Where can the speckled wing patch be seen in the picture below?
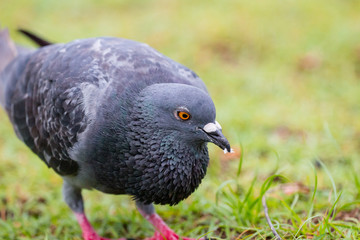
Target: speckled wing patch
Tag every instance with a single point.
(49, 122)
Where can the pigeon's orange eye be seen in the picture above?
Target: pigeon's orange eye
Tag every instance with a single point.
(183, 115)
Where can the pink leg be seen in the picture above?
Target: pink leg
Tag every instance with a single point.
(87, 229)
(162, 231)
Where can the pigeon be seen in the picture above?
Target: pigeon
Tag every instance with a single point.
(112, 115)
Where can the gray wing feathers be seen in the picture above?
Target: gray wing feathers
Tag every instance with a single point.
(46, 110)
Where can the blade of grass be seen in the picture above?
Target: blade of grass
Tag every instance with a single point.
(248, 193)
(314, 192)
(222, 185)
(240, 160)
(306, 221)
(330, 177)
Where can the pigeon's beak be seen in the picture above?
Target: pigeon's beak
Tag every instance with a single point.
(215, 135)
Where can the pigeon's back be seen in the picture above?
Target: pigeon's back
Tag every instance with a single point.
(58, 93)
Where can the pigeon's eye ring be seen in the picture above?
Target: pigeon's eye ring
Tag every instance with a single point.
(183, 115)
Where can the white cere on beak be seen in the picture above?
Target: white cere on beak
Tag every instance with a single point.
(226, 151)
(210, 127)
(218, 125)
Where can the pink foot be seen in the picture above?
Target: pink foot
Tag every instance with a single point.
(87, 229)
(169, 236)
(163, 232)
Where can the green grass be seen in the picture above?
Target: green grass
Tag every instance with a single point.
(285, 78)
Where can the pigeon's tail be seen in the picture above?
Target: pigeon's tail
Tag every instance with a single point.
(8, 52)
(8, 49)
(38, 40)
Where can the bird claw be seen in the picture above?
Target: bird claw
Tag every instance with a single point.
(170, 235)
(94, 236)
(163, 232)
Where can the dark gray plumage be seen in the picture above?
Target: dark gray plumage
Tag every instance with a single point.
(104, 114)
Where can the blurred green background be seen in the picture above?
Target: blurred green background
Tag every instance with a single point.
(285, 78)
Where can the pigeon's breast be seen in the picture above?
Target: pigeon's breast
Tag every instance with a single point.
(166, 171)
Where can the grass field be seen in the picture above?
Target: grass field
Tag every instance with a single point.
(285, 78)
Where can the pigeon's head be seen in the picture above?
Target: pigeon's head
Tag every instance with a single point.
(189, 111)
(170, 126)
